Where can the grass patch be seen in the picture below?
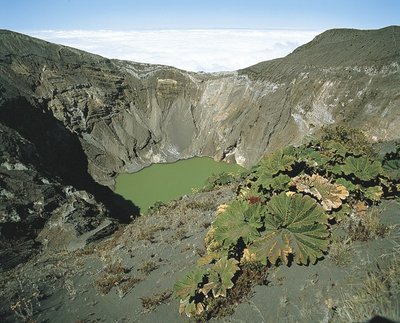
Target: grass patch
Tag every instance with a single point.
(367, 226)
(128, 285)
(341, 251)
(113, 275)
(151, 302)
(106, 282)
(149, 232)
(378, 295)
(181, 234)
(202, 205)
(148, 267)
(116, 269)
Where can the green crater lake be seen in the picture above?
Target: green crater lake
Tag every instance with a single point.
(169, 181)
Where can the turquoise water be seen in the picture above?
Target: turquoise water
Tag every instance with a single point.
(166, 182)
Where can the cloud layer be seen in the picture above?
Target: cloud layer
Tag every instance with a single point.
(193, 50)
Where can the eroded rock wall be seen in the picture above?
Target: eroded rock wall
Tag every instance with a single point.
(31, 198)
(128, 115)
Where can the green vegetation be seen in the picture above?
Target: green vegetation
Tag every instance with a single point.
(222, 178)
(160, 183)
(294, 226)
(284, 212)
(241, 220)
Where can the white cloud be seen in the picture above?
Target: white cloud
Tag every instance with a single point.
(194, 50)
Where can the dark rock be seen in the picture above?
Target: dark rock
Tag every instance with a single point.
(30, 196)
(75, 223)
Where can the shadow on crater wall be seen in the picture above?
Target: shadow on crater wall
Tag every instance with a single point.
(61, 154)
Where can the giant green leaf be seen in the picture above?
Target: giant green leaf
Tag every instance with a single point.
(362, 167)
(335, 169)
(279, 161)
(239, 220)
(294, 225)
(335, 146)
(374, 193)
(220, 277)
(312, 157)
(188, 285)
(349, 185)
(392, 169)
(276, 183)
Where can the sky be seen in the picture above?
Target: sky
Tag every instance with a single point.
(209, 35)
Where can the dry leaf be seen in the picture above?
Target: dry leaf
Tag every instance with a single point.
(330, 195)
(360, 208)
(248, 257)
(221, 208)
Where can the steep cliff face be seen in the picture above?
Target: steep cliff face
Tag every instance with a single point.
(31, 195)
(348, 76)
(128, 115)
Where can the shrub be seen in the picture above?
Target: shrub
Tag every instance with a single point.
(284, 210)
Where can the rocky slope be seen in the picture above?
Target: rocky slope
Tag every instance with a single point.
(70, 121)
(127, 115)
(30, 196)
(129, 277)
